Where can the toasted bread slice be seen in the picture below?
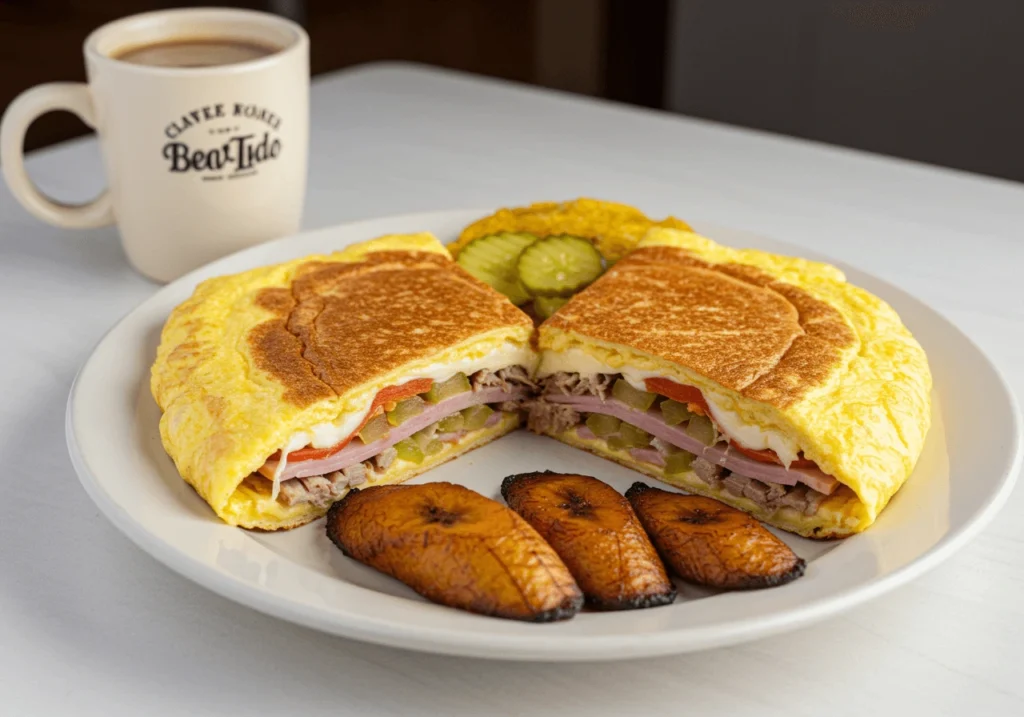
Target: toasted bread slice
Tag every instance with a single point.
(709, 543)
(457, 548)
(594, 530)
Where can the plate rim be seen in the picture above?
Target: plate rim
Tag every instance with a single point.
(576, 648)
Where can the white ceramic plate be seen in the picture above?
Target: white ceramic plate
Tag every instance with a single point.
(969, 463)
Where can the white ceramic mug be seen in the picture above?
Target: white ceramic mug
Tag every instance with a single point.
(200, 161)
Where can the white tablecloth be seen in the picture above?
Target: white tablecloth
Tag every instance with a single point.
(89, 624)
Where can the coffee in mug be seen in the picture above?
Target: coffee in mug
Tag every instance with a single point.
(196, 52)
(203, 122)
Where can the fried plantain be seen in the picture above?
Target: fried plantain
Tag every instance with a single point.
(709, 543)
(594, 530)
(455, 547)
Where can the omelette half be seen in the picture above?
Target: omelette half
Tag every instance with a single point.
(284, 386)
(766, 382)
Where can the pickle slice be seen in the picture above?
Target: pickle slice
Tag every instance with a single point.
(601, 425)
(545, 306)
(493, 260)
(674, 412)
(424, 437)
(701, 428)
(633, 397)
(433, 448)
(476, 416)
(439, 391)
(559, 265)
(409, 451)
(636, 437)
(375, 429)
(404, 410)
(618, 443)
(452, 424)
(678, 462)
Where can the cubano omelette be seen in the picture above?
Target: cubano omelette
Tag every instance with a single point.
(284, 386)
(766, 382)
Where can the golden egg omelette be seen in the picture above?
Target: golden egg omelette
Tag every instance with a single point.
(764, 381)
(285, 386)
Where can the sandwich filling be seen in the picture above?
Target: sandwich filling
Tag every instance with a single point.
(674, 428)
(408, 421)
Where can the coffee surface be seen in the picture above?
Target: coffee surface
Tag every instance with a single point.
(195, 53)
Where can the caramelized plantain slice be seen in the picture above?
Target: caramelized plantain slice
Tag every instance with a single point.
(594, 530)
(709, 543)
(457, 548)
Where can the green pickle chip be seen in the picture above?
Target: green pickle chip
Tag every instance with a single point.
(494, 260)
(405, 409)
(439, 391)
(375, 429)
(559, 265)
(632, 397)
(618, 443)
(636, 437)
(678, 462)
(546, 306)
(424, 437)
(476, 416)
(602, 425)
(674, 412)
(452, 423)
(409, 451)
(701, 428)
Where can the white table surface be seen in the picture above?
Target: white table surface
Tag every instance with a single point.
(89, 624)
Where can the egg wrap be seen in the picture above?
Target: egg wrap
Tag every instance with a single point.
(252, 359)
(784, 343)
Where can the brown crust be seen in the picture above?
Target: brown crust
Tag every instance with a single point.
(595, 532)
(455, 547)
(768, 340)
(345, 323)
(709, 543)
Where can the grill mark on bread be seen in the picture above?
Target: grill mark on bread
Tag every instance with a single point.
(279, 352)
(346, 323)
(276, 300)
(737, 325)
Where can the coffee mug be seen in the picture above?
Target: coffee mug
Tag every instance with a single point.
(203, 122)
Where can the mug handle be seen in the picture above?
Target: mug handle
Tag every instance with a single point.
(22, 112)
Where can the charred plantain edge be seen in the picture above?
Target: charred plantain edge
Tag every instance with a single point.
(333, 515)
(509, 481)
(755, 582)
(637, 488)
(637, 603)
(562, 612)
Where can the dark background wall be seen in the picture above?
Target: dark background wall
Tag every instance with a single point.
(940, 81)
(932, 80)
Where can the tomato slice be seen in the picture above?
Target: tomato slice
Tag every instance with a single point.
(402, 391)
(389, 394)
(677, 392)
(769, 456)
(691, 394)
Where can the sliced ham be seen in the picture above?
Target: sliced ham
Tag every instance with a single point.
(357, 451)
(648, 455)
(719, 454)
